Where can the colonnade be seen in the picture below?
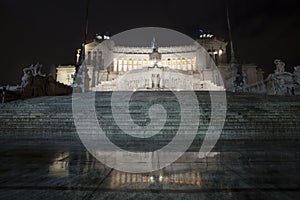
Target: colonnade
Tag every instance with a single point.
(179, 63)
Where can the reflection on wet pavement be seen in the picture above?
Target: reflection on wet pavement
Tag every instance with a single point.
(68, 171)
(60, 165)
(256, 157)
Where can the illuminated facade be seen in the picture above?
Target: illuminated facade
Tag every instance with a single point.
(64, 74)
(174, 67)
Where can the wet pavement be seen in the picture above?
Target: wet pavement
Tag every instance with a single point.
(62, 170)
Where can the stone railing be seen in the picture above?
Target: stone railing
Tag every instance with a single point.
(258, 87)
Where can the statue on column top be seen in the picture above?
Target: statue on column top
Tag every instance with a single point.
(154, 44)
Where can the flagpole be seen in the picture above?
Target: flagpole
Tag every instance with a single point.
(86, 29)
(86, 21)
(230, 35)
(235, 67)
(81, 53)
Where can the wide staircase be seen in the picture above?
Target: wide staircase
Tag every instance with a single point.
(248, 118)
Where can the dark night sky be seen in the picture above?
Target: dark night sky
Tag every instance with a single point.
(49, 31)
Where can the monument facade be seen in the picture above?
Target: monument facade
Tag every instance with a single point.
(184, 67)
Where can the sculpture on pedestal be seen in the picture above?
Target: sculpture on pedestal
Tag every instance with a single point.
(279, 66)
(154, 45)
(27, 77)
(81, 80)
(281, 82)
(155, 81)
(297, 74)
(30, 72)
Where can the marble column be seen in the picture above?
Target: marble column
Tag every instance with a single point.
(125, 64)
(129, 63)
(194, 61)
(179, 64)
(189, 63)
(120, 65)
(174, 63)
(189, 67)
(115, 65)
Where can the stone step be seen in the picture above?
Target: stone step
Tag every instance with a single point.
(248, 116)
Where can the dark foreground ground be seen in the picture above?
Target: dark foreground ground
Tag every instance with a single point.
(257, 157)
(243, 171)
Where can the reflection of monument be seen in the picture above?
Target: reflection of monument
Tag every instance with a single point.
(171, 177)
(191, 179)
(59, 166)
